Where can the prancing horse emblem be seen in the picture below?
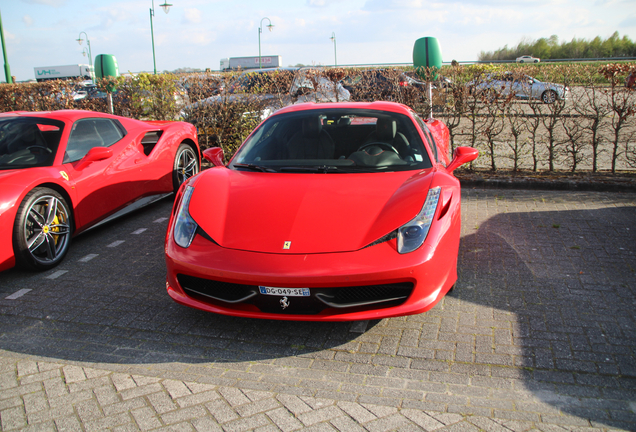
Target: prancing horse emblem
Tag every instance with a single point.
(284, 302)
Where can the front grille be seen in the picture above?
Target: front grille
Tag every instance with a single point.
(372, 293)
(343, 299)
(224, 291)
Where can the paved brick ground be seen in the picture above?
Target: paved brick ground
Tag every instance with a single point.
(539, 334)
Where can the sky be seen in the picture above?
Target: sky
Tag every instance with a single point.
(199, 33)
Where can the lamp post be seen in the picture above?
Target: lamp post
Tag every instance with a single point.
(88, 43)
(7, 70)
(270, 26)
(166, 8)
(333, 39)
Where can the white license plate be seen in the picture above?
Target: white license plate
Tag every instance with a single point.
(289, 292)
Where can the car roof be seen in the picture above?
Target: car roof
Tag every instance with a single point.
(64, 115)
(377, 105)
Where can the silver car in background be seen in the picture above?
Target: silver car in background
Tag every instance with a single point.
(521, 86)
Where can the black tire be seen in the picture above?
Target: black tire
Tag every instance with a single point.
(549, 96)
(186, 164)
(42, 230)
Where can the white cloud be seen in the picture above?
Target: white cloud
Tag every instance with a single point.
(54, 3)
(27, 20)
(192, 15)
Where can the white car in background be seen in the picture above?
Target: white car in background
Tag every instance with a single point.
(528, 59)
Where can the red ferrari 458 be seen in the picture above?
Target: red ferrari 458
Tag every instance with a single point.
(63, 172)
(327, 212)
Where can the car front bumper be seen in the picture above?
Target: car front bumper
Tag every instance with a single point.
(372, 283)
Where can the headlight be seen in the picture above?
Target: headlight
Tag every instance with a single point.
(185, 226)
(412, 235)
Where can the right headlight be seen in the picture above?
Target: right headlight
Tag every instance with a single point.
(412, 235)
(185, 227)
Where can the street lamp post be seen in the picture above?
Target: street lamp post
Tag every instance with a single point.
(88, 43)
(270, 26)
(166, 8)
(335, 58)
(7, 70)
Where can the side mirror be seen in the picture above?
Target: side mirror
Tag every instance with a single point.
(214, 155)
(94, 155)
(461, 156)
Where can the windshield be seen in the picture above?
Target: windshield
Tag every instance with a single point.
(334, 140)
(28, 141)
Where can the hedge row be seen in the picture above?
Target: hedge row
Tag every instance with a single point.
(593, 129)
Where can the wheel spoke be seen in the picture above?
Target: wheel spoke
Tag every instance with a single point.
(51, 210)
(51, 247)
(60, 228)
(35, 242)
(36, 217)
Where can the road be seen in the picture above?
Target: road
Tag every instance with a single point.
(538, 334)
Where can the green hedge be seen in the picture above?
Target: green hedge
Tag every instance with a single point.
(594, 129)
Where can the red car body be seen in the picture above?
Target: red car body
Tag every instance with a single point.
(278, 242)
(140, 163)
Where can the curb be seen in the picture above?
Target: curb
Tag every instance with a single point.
(572, 185)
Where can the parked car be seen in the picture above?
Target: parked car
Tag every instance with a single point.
(528, 59)
(377, 84)
(63, 172)
(273, 88)
(519, 86)
(327, 212)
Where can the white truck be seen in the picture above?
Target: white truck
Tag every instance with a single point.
(64, 72)
(251, 62)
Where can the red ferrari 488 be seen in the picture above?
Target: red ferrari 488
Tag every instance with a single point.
(63, 172)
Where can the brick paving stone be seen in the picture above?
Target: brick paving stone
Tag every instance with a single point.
(68, 424)
(221, 411)
(109, 422)
(387, 423)
(294, 404)
(183, 414)
(284, 420)
(246, 424)
(206, 424)
(176, 389)
(146, 418)
(422, 419)
(12, 418)
(346, 424)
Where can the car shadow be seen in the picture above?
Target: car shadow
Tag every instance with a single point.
(545, 300)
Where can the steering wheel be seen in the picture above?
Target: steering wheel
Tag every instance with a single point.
(383, 145)
(48, 150)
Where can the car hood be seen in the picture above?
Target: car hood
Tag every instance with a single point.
(316, 213)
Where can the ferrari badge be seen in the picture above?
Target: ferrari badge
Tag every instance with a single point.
(287, 245)
(284, 302)
(63, 174)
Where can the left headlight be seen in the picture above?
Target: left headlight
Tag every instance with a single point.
(412, 235)
(185, 227)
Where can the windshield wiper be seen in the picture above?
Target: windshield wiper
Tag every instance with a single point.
(253, 167)
(315, 169)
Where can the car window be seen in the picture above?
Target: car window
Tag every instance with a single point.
(334, 140)
(89, 133)
(28, 141)
(427, 134)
